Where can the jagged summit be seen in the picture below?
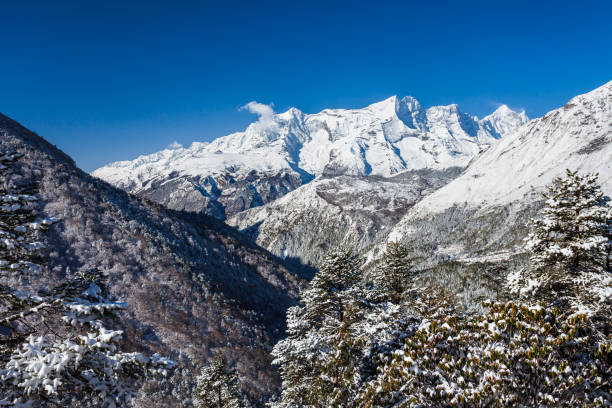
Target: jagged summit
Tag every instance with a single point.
(279, 152)
(577, 136)
(504, 120)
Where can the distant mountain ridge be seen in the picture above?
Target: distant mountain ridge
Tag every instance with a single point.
(276, 155)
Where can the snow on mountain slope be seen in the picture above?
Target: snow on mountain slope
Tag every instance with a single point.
(577, 136)
(333, 211)
(282, 152)
(487, 207)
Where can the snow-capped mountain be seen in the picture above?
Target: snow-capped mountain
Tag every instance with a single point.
(503, 186)
(280, 152)
(453, 215)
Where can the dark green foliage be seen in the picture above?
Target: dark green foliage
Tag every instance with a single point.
(394, 277)
(512, 356)
(333, 288)
(217, 386)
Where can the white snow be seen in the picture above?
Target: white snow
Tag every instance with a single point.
(577, 136)
(384, 138)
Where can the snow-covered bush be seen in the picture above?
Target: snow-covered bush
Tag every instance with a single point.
(513, 356)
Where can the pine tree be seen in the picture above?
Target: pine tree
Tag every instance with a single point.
(21, 233)
(312, 371)
(570, 244)
(573, 231)
(394, 276)
(217, 386)
(334, 287)
(54, 345)
(609, 245)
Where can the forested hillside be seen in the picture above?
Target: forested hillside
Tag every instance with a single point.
(193, 285)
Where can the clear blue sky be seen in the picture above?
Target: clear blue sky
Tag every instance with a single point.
(107, 80)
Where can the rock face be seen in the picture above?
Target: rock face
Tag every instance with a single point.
(193, 284)
(277, 155)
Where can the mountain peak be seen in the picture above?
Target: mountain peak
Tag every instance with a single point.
(411, 104)
(503, 120)
(502, 109)
(386, 107)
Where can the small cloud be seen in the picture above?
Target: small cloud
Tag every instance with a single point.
(175, 145)
(266, 115)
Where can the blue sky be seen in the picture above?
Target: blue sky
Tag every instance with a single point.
(108, 81)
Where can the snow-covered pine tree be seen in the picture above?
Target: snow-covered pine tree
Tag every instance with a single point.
(217, 386)
(311, 369)
(20, 230)
(295, 357)
(55, 349)
(394, 276)
(334, 287)
(609, 246)
(569, 244)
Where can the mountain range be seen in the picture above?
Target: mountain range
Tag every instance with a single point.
(366, 176)
(281, 152)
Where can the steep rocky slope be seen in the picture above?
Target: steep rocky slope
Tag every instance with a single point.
(334, 211)
(280, 152)
(193, 284)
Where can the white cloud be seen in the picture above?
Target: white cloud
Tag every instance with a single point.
(266, 115)
(175, 145)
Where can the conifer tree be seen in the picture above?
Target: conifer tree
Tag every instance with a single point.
(334, 287)
(217, 386)
(394, 276)
(573, 231)
(311, 369)
(570, 244)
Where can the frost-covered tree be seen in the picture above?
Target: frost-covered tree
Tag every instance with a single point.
(570, 244)
(217, 386)
(394, 276)
(55, 347)
(295, 358)
(573, 230)
(331, 336)
(311, 369)
(514, 356)
(20, 229)
(334, 287)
